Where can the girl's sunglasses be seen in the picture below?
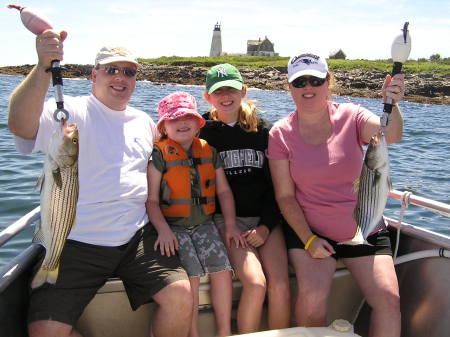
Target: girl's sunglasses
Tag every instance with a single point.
(115, 70)
(300, 82)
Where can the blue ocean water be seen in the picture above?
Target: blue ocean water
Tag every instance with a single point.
(420, 163)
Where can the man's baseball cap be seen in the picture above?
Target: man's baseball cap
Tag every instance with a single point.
(114, 54)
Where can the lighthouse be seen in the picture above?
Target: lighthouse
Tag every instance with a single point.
(216, 43)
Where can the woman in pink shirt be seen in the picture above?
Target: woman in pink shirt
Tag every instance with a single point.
(315, 156)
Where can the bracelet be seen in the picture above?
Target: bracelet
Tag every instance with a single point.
(310, 240)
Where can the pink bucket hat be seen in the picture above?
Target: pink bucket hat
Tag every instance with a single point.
(176, 105)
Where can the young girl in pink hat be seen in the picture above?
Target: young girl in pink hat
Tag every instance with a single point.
(185, 176)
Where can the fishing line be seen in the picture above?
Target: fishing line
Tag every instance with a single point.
(405, 203)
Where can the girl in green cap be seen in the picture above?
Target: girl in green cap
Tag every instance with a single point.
(240, 136)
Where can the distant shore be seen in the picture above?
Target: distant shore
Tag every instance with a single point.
(421, 88)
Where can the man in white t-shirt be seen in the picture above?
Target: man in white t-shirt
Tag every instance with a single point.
(111, 235)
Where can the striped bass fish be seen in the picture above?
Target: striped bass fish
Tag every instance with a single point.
(373, 188)
(59, 195)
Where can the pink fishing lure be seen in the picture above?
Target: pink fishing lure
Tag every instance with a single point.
(33, 21)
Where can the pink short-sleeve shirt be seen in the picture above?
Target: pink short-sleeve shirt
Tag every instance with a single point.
(324, 174)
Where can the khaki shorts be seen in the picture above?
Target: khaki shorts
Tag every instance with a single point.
(243, 223)
(201, 249)
(84, 268)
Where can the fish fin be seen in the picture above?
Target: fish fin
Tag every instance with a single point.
(38, 236)
(57, 177)
(40, 182)
(356, 185)
(376, 178)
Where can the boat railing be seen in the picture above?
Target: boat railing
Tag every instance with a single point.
(432, 205)
(435, 206)
(442, 240)
(18, 226)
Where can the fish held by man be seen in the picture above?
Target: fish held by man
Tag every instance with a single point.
(373, 188)
(59, 195)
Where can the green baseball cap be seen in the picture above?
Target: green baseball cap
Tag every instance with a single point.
(223, 75)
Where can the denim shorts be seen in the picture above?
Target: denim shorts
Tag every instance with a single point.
(201, 249)
(84, 268)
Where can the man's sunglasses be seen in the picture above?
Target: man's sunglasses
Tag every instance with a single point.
(115, 70)
(300, 82)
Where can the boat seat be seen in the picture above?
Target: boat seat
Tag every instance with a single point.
(115, 284)
(111, 301)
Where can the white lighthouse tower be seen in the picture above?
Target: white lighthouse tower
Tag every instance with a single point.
(216, 43)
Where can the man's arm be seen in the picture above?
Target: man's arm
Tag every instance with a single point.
(27, 100)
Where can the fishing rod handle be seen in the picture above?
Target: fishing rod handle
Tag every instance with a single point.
(57, 83)
(396, 69)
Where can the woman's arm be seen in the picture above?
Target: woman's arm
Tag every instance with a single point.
(285, 195)
(393, 88)
(167, 241)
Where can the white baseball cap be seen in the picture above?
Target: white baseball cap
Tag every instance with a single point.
(114, 54)
(307, 64)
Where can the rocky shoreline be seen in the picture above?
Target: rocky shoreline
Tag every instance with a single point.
(421, 88)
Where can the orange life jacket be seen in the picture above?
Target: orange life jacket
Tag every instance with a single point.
(182, 172)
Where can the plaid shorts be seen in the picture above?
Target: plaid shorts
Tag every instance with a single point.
(201, 249)
(84, 268)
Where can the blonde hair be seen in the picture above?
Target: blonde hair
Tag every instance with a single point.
(247, 117)
(331, 83)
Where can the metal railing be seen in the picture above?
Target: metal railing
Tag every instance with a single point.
(18, 226)
(435, 206)
(432, 205)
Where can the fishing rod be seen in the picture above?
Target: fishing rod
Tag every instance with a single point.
(400, 49)
(37, 24)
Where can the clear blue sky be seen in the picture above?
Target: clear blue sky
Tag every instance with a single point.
(153, 28)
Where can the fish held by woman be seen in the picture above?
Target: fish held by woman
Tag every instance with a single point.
(373, 188)
(59, 195)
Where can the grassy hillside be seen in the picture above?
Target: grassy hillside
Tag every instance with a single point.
(439, 68)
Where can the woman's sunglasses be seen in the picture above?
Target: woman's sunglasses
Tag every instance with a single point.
(115, 70)
(300, 82)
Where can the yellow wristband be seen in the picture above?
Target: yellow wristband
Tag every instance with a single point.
(310, 240)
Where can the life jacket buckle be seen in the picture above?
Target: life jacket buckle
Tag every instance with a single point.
(198, 200)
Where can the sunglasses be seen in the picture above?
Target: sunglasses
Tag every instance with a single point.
(301, 82)
(115, 70)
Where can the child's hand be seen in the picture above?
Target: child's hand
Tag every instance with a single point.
(232, 233)
(167, 242)
(257, 236)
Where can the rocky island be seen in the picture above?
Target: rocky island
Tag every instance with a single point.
(421, 88)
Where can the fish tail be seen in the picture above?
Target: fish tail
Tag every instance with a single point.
(358, 239)
(52, 275)
(44, 276)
